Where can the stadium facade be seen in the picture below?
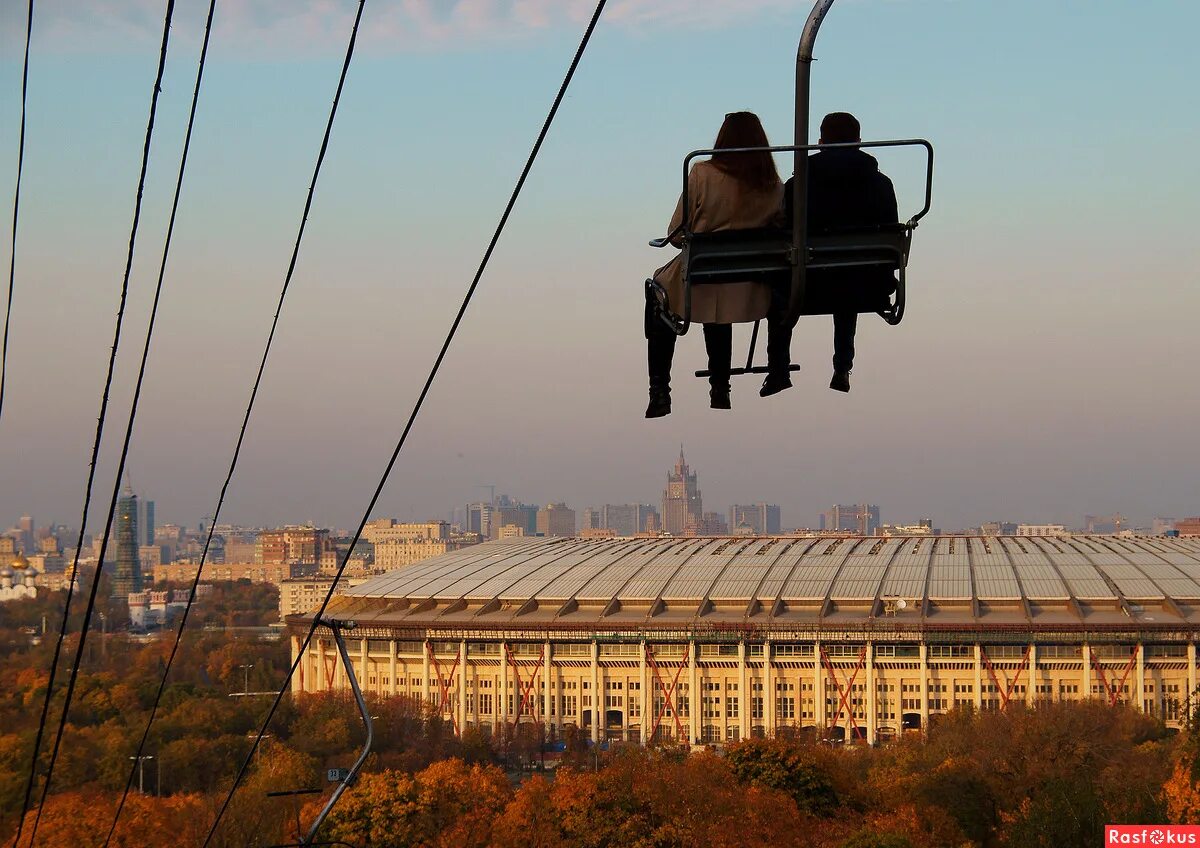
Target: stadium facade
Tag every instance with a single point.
(709, 640)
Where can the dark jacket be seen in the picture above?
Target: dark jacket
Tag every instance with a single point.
(846, 190)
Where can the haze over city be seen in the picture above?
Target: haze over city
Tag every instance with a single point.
(1046, 369)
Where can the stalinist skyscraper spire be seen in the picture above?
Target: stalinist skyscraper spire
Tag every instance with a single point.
(681, 499)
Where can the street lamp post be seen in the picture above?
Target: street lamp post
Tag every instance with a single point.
(246, 677)
(142, 771)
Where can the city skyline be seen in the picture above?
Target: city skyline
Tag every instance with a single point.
(1031, 380)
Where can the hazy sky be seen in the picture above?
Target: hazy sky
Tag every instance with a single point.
(1047, 367)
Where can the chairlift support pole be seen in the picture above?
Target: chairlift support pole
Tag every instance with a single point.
(336, 627)
(804, 58)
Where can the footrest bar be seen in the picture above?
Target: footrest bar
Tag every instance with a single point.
(757, 369)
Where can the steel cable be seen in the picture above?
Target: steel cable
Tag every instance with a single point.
(415, 412)
(257, 381)
(12, 259)
(137, 211)
(162, 269)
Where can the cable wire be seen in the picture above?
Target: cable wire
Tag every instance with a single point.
(162, 269)
(12, 259)
(416, 410)
(249, 407)
(137, 212)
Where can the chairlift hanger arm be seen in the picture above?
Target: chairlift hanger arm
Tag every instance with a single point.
(336, 627)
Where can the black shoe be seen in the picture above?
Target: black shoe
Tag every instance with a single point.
(718, 397)
(773, 385)
(660, 404)
(840, 381)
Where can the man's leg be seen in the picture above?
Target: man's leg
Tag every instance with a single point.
(844, 326)
(779, 344)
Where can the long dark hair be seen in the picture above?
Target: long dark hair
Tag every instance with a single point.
(744, 129)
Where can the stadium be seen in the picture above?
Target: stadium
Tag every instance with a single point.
(710, 640)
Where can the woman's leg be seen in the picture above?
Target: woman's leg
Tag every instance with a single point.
(660, 351)
(718, 341)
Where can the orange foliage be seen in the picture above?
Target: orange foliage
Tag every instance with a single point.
(74, 819)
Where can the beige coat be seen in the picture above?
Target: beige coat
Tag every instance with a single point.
(721, 202)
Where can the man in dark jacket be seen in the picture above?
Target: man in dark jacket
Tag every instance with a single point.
(846, 190)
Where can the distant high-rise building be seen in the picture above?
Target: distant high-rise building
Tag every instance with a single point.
(761, 518)
(682, 502)
(521, 515)
(626, 519)
(709, 524)
(146, 524)
(1188, 526)
(851, 518)
(591, 519)
(1104, 524)
(481, 519)
(291, 544)
(25, 527)
(128, 575)
(861, 518)
(1162, 525)
(996, 528)
(1042, 530)
(556, 520)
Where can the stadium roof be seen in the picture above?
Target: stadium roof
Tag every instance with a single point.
(1064, 582)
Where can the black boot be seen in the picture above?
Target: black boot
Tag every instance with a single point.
(660, 350)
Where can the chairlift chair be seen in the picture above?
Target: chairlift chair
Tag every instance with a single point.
(774, 256)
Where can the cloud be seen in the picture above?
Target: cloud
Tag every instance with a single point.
(284, 26)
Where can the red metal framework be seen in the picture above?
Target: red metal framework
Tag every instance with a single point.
(330, 668)
(1005, 691)
(844, 699)
(1114, 691)
(445, 683)
(668, 694)
(525, 690)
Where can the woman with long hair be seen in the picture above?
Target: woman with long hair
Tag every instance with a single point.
(729, 191)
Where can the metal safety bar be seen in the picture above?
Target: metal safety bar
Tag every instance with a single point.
(796, 148)
(809, 256)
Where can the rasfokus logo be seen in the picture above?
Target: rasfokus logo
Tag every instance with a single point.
(1152, 834)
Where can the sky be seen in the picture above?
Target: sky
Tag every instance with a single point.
(1046, 369)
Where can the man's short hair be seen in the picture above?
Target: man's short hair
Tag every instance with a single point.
(840, 128)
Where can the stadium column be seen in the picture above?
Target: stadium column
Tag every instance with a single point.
(646, 696)
(979, 678)
(425, 674)
(768, 692)
(548, 710)
(1087, 671)
(871, 708)
(925, 686)
(1031, 677)
(364, 680)
(323, 681)
(744, 697)
(818, 689)
(1141, 676)
(1191, 692)
(693, 695)
(596, 697)
(503, 706)
(392, 667)
(462, 686)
